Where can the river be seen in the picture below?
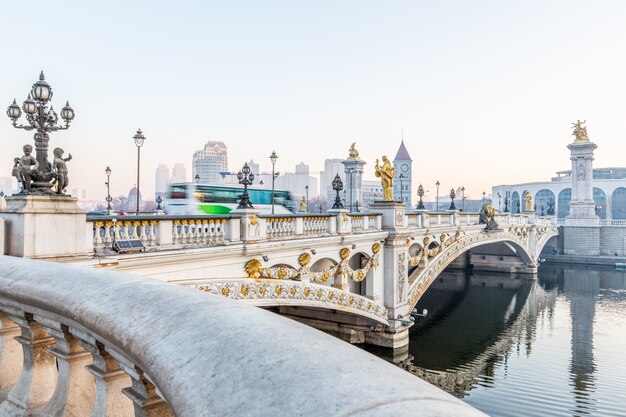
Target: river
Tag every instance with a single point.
(513, 346)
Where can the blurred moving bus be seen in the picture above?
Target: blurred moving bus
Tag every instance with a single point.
(192, 198)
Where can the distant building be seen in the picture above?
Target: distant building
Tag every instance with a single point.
(254, 167)
(210, 161)
(179, 173)
(332, 167)
(294, 182)
(371, 191)
(403, 165)
(132, 199)
(161, 179)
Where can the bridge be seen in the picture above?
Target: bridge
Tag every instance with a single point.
(355, 275)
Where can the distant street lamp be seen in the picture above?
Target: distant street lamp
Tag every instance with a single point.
(350, 187)
(307, 198)
(499, 202)
(273, 158)
(452, 195)
(420, 193)
(139, 138)
(484, 198)
(159, 200)
(107, 171)
(43, 120)
(401, 178)
(245, 178)
(337, 186)
(197, 178)
(463, 198)
(437, 184)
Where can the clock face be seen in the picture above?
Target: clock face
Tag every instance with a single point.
(404, 167)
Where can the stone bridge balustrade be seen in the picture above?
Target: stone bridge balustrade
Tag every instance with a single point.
(102, 343)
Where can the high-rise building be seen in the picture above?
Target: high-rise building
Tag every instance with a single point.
(254, 167)
(332, 167)
(179, 173)
(403, 164)
(161, 178)
(371, 191)
(210, 161)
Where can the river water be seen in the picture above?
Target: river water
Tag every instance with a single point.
(510, 346)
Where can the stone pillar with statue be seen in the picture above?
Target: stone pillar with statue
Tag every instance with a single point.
(353, 168)
(41, 220)
(581, 234)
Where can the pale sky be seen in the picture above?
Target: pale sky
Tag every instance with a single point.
(485, 91)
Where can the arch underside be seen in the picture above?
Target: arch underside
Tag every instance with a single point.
(277, 293)
(424, 277)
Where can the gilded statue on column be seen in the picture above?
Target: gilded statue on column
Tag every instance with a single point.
(386, 173)
(352, 152)
(528, 203)
(580, 131)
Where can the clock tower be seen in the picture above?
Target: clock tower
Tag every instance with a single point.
(403, 165)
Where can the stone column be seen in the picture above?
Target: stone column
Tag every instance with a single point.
(581, 234)
(354, 176)
(38, 375)
(11, 357)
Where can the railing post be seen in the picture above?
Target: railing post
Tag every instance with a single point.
(299, 226)
(424, 219)
(38, 376)
(164, 233)
(74, 393)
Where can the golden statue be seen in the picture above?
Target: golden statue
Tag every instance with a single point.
(528, 203)
(580, 131)
(386, 173)
(352, 152)
(303, 205)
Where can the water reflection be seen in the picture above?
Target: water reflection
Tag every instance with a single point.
(501, 341)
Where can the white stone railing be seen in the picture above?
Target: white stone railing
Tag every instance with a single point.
(611, 222)
(99, 343)
(280, 227)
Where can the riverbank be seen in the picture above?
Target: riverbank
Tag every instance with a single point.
(583, 260)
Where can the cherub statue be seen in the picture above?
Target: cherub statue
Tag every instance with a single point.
(352, 152)
(386, 173)
(25, 168)
(487, 217)
(60, 169)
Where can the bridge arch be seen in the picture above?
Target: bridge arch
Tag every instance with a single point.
(542, 200)
(515, 202)
(515, 239)
(599, 198)
(563, 202)
(618, 204)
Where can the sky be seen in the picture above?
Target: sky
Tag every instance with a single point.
(484, 91)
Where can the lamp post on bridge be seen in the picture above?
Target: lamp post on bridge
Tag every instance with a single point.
(463, 198)
(452, 195)
(245, 178)
(337, 186)
(43, 120)
(484, 198)
(197, 178)
(139, 138)
(307, 198)
(107, 171)
(437, 184)
(273, 159)
(499, 201)
(420, 194)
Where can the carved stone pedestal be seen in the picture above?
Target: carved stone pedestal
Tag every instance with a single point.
(44, 226)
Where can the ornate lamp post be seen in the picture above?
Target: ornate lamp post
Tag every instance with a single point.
(43, 120)
(463, 198)
(109, 199)
(307, 197)
(452, 195)
(401, 178)
(139, 138)
(420, 193)
(159, 200)
(499, 202)
(506, 202)
(437, 184)
(245, 178)
(273, 158)
(484, 198)
(337, 186)
(197, 178)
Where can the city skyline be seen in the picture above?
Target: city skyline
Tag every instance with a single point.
(485, 93)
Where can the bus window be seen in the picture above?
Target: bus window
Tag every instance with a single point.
(178, 191)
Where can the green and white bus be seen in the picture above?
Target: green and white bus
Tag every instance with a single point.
(191, 198)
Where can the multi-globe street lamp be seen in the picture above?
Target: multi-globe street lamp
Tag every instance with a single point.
(463, 198)
(337, 186)
(273, 159)
(452, 195)
(108, 171)
(420, 194)
(245, 177)
(43, 120)
(437, 184)
(139, 138)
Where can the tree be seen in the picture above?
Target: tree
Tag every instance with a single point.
(318, 204)
(120, 203)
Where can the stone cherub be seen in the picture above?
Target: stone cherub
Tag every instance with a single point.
(60, 169)
(25, 168)
(386, 173)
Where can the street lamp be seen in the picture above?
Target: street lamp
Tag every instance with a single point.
(401, 178)
(197, 178)
(139, 138)
(337, 186)
(273, 158)
(307, 197)
(437, 184)
(452, 195)
(107, 171)
(463, 198)
(43, 120)
(420, 193)
(484, 198)
(499, 201)
(245, 178)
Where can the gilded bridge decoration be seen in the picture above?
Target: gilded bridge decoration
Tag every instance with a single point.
(254, 268)
(267, 290)
(424, 254)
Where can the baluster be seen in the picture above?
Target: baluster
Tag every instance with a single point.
(97, 240)
(38, 375)
(152, 232)
(183, 231)
(10, 355)
(135, 230)
(109, 379)
(175, 235)
(107, 234)
(75, 391)
(222, 231)
(144, 236)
